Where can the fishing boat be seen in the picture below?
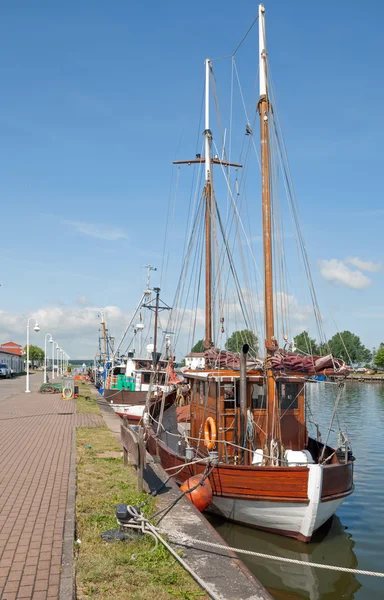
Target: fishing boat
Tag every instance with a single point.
(135, 377)
(247, 425)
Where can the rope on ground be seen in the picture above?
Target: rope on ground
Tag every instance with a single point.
(192, 542)
(147, 527)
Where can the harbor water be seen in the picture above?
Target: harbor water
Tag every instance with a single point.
(354, 538)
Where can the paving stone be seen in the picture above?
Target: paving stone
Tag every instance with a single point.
(36, 465)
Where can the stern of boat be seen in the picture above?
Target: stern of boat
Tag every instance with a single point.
(328, 487)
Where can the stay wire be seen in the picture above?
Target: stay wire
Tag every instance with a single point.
(240, 44)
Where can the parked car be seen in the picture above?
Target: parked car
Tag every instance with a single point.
(5, 371)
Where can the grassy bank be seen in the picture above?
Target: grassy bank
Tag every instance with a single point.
(86, 402)
(119, 570)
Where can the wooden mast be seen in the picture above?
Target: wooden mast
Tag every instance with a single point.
(273, 417)
(208, 195)
(208, 215)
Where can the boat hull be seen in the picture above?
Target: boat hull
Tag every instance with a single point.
(283, 518)
(290, 501)
(133, 414)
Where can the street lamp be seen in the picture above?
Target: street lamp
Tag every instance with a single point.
(57, 359)
(61, 361)
(36, 328)
(53, 359)
(45, 355)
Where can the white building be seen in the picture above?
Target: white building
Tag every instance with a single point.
(14, 361)
(195, 360)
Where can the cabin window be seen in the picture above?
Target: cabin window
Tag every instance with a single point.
(258, 399)
(289, 396)
(146, 378)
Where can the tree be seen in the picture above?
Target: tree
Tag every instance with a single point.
(237, 340)
(305, 344)
(36, 354)
(348, 346)
(198, 347)
(379, 357)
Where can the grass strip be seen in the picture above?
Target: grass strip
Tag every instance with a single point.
(86, 402)
(117, 570)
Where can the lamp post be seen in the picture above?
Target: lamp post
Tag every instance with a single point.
(53, 359)
(61, 361)
(36, 328)
(57, 359)
(45, 355)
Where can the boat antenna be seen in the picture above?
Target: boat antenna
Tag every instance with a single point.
(157, 306)
(149, 269)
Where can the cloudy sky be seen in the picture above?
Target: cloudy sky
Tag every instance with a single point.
(97, 100)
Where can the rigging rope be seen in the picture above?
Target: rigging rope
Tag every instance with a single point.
(240, 44)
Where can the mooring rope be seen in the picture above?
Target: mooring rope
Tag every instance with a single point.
(147, 527)
(191, 541)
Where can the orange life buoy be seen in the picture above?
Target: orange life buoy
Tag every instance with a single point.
(210, 433)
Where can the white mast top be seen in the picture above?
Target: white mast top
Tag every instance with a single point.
(207, 131)
(262, 52)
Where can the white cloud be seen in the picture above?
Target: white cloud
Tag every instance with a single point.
(76, 329)
(102, 232)
(364, 265)
(289, 304)
(337, 270)
(297, 312)
(82, 301)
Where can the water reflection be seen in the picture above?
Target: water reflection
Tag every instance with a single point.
(332, 544)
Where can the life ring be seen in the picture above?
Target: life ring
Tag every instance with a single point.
(210, 433)
(67, 393)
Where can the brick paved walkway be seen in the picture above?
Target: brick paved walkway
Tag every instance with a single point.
(36, 446)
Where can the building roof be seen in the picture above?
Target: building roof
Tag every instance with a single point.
(12, 348)
(195, 355)
(2, 351)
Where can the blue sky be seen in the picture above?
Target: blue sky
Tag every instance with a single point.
(97, 100)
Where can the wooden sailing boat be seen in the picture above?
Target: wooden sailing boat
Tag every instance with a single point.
(281, 480)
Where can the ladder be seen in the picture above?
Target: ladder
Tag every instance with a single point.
(228, 418)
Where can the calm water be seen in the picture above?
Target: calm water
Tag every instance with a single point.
(355, 536)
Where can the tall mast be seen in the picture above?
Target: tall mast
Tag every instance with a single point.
(208, 195)
(104, 337)
(208, 215)
(266, 220)
(157, 293)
